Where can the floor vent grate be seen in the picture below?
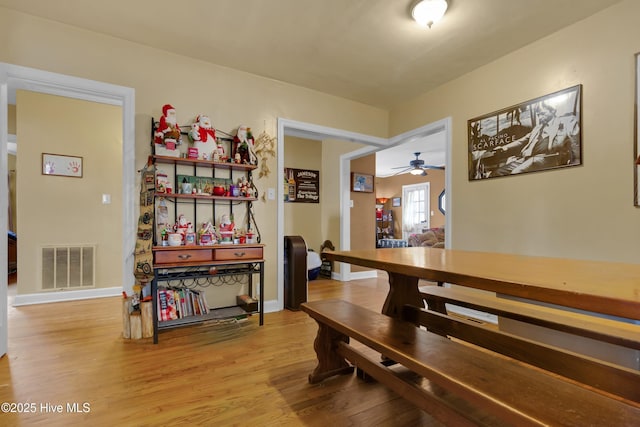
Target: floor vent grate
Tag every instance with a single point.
(68, 267)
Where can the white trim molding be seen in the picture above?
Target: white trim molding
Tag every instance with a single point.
(61, 296)
(17, 77)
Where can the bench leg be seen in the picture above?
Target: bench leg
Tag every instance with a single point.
(330, 363)
(436, 304)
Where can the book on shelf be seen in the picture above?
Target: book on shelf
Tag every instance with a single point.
(166, 305)
(177, 303)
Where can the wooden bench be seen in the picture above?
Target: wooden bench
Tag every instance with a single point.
(600, 329)
(501, 388)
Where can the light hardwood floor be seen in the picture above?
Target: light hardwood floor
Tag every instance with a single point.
(221, 375)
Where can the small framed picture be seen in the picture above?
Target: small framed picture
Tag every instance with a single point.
(395, 202)
(361, 182)
(60, 165)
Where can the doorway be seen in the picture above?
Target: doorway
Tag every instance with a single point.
(13, 78)
(373, 144)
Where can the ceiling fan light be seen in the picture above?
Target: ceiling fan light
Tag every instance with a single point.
(418, 171)
(428, 12)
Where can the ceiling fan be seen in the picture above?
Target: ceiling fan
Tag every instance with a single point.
(417, 167)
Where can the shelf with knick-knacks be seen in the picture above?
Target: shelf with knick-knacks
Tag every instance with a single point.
(205, 234)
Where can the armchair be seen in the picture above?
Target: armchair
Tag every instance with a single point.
(432, 237)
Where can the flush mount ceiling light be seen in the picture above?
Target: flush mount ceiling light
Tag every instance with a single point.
(427, 12)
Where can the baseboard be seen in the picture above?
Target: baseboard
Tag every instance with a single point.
(271, 306)
(371, 274)
(62, 296)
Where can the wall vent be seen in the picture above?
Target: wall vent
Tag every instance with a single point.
(68, 267)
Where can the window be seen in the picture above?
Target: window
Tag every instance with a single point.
(415, 209)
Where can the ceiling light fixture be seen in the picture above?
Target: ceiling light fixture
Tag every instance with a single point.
(428, 12)
(418, 171)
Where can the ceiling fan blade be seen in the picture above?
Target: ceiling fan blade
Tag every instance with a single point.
(433, 167)
(404, 169)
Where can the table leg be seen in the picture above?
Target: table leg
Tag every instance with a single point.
(402, 290)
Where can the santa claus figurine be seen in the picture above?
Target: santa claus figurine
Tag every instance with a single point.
(168, 131)
(243, 146)
(203, 136)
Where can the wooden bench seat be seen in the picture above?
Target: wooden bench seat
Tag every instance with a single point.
(507, 389)
(600, 329)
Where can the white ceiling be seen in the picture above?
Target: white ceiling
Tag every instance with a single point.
(369, 51)
(431, 148)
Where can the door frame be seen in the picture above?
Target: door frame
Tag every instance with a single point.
(14, 77)
(287, 127)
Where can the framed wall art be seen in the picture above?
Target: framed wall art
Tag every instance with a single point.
(302, 185)
(361, 182)
(61, 165)
(541, 134)
(395, 202)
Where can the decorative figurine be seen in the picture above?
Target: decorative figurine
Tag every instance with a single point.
(226, 224)
(243, 146)
(221, 153)
(206, 234)
(225, 229)
(182, 226)
(162, 181)
(244, 186)
(203, 136)
(168, 132)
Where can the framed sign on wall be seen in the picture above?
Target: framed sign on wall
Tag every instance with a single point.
(302, 185)
(541, 134)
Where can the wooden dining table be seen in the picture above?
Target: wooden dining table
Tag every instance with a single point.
(610, 288)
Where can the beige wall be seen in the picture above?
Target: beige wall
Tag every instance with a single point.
(303, 219)
(56, 210)
(391, 186)
(331, 189)
(321, 221)
(11, 119)
(581, 212)
(363, 212)
(194, 87)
